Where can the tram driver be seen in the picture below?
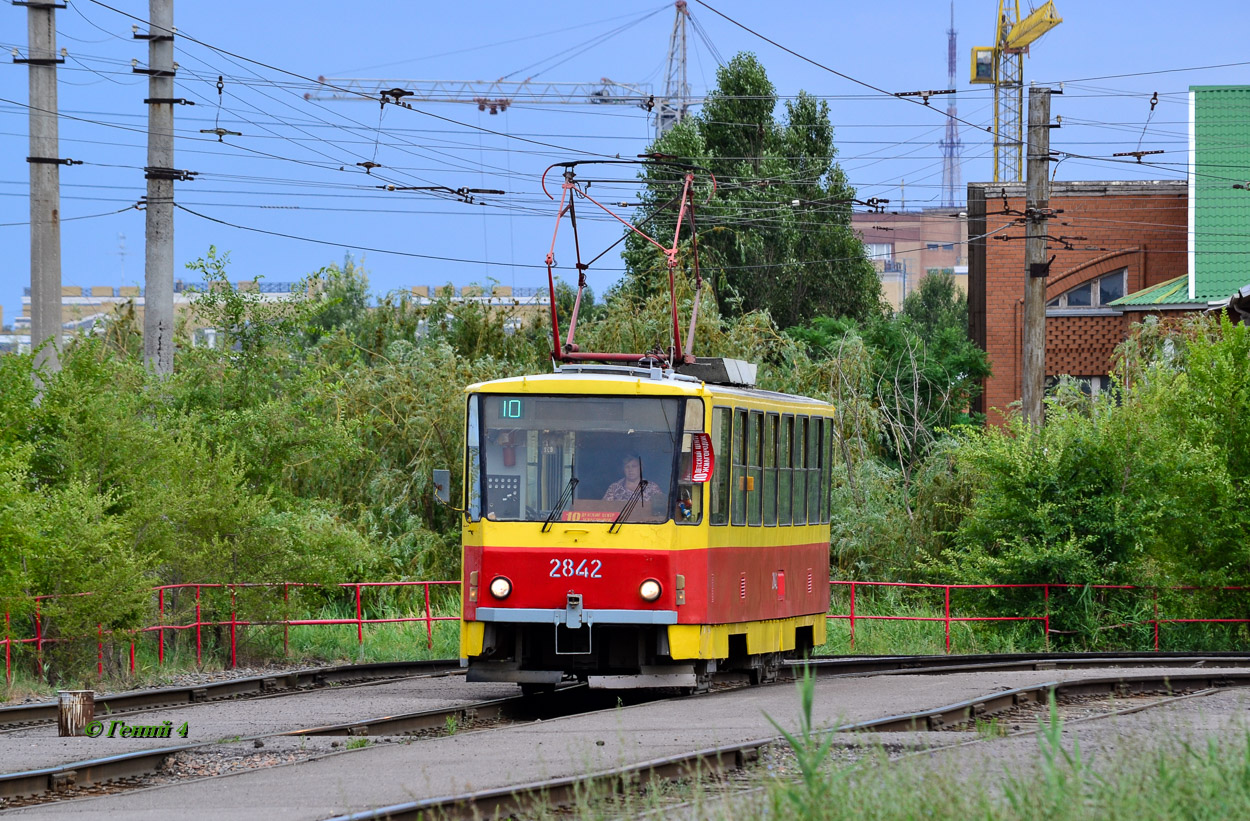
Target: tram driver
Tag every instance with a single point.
(623, 489)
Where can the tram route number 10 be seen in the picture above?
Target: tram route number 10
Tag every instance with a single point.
(586, 568)
(510, 409)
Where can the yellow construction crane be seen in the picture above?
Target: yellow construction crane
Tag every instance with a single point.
(1002, 66)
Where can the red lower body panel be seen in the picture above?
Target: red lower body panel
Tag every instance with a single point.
(721, 585)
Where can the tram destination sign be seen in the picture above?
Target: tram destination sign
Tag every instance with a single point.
(703, 458)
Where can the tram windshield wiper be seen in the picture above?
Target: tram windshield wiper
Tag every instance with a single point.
(629, 506)
(565, 497)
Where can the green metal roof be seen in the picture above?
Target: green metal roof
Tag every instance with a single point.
(1173, 292)
(1220, 153)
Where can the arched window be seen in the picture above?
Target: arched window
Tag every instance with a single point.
(1097, 293)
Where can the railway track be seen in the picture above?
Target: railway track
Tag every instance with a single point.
(38, 784)
(299, 681)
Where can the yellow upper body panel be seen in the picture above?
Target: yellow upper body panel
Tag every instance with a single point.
(668, 535)
(623, 385)
(637, 536)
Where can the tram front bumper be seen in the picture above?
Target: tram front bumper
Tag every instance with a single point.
(573, 617)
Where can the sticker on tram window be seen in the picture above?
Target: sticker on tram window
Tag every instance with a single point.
(590, 515)
(586, 568)
(704, 459)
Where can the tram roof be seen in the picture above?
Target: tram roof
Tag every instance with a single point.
(620, 383)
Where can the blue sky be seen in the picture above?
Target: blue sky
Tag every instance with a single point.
(283, 174)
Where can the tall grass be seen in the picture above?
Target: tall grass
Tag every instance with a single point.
(1177, 779)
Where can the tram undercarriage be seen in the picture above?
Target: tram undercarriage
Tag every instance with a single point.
(617, 656)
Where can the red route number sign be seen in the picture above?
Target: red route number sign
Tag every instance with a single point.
(703, 458)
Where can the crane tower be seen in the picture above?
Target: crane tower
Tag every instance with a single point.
(1002, 65)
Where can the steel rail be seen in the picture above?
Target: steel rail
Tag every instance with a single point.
(523, 798)
(281, 683)
(920, 665)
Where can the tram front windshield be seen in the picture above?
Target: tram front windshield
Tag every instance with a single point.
(588, 458)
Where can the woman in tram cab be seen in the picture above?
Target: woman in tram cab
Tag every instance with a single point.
(623, 489)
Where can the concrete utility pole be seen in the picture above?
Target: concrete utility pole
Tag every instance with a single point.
(1037, 206)
(45, 183)
(158, 295)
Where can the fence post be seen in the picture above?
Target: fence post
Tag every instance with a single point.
(8, 643)
(132, 658)
(233, 622)
(360, 624)
(852, 615)
(1046, 620)
(286, 620)
(1155, 596)
(160, 634)
(199, 642)
(38, 641)
(948, 618)
(99, 649)
(429, 617)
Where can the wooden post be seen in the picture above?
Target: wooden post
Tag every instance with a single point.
(75, 710)
(1037, 265)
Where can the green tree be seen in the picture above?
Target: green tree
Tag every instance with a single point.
(776, 236)
(936, 306)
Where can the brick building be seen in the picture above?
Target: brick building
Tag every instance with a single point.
(1122, 251)
(1123, 238)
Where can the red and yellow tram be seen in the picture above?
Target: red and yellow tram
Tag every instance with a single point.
(718, 557)
(641, 519)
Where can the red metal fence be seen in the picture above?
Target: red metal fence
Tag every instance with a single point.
(949, 614)
(234, 623)
(949, 617)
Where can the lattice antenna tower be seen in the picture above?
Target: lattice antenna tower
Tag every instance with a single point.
(675, 106)
(952, 147)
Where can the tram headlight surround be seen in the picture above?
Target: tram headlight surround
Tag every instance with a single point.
(501, 587)
(650, 590)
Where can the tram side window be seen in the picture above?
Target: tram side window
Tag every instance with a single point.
(826, 474)
(770, 470)
(721, 429)
(755, 475)
(798, 457)
(784, 474)
(814, 449)
(689, 494)
(739, 482)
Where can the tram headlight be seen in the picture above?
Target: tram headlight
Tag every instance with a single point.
(650, 590)
(500, 587)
